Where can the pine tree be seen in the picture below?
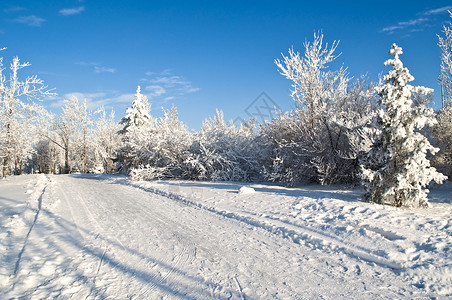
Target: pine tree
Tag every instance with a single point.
(138, 124)
(397, 169)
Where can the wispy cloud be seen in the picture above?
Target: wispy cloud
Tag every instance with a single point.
(32, 20)
(13, 9)
(438, 10)
(96, 100)
(416, 24)
(72, 11)
(167, 86)
(405, 24)
(155, 90)
(97, 67)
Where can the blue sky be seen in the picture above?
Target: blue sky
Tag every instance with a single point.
(204, 55)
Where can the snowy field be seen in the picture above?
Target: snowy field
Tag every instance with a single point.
(103, 237)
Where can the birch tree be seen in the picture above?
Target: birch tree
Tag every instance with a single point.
(445, 76)
(18, 113)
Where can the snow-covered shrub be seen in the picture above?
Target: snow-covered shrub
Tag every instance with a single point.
(166, 150)
(397, 170)
(442, 133)
(312, 143)
(226, 152)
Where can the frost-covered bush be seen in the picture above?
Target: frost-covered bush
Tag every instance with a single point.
(225, 152)
(442, 133)
(168, 147)
(397, 169)
(312, 143)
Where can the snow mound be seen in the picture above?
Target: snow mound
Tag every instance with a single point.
(244, 190)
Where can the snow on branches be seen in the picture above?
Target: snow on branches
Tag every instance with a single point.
(397, 169)
(18, 116)
(445, 76)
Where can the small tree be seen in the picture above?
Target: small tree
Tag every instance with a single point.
(106, 141)
(137, 126)
(397, 169)
(71, 130)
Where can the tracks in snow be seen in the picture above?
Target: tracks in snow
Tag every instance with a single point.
(112, 218)
(297, 233)
(39, 200)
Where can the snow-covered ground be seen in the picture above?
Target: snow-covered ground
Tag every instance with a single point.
(101, 236)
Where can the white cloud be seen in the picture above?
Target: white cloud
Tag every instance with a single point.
(13, 9)
(97, 67)
(405, 24)
(100, 69)
(32, 20)
(426, 16)
(438, 10)
(95, 100)
(155, 90)
(167, 84)
(169, 81)
(72, 11)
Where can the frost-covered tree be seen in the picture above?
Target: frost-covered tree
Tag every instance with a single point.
(137, 127)
(226, 152)
(443, 139)
(166, 151)
(19, 115)
(398, 170)
(105, 142)
(311, 144)
(46, 157)
(71, 134)
(445, 76)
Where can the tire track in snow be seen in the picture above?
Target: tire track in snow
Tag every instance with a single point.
(295, 233)
(155, 280)
(183, 256)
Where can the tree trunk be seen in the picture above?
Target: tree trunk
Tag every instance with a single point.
(5, 167)
(85, 167)
(66, 161)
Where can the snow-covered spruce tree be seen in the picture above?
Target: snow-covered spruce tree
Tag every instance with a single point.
(397, 170)
(445, 76)
(137, 127)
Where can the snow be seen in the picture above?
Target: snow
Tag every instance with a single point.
(103, 236)
(244, 190)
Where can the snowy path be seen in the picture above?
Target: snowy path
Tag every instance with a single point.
(86, 237)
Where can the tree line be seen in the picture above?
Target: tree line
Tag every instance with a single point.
(380, 135)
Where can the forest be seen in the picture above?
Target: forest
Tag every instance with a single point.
(381, 135)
